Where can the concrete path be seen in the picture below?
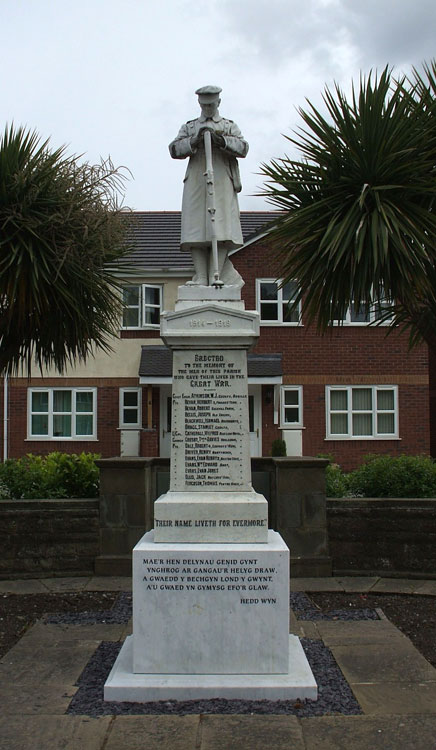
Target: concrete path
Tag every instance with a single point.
(394, 684)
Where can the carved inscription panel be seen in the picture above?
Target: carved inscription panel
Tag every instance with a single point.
(210, 432)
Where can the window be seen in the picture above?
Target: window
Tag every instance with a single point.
(359, 315)
(130, 407)
(291, 406)
(141, 306)
(273, 302)
(362, 412)
(61, 413)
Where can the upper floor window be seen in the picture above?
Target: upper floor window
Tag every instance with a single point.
(274, 302)
(142, 305)
(362, 412)
(58, 413)
(130, 407)
(291, 406)
(360, 315)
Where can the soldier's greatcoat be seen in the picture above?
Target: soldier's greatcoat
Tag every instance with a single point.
(196, 229)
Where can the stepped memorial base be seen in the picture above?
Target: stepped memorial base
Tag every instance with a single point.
(210, 620)
(125, 685)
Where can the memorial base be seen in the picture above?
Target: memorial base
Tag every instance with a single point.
(125, 685)
(210, 621)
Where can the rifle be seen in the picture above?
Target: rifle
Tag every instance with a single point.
(210, 188)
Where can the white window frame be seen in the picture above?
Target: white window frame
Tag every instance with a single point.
(372, 316)
(50, 414)
(280, 302)
(284, 425)
(349, 412)
(143, 306)
(138, 407)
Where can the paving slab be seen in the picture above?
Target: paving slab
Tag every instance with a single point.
(40, 632)
(50, 663)
(369, 733)
(397, 698)
(53, 732)
(128, 630)
(425, 588)
(303, 628)
(30, 586)
(54, 585)
(394, 586)
(251, 733)
(357, 584)
(31, 699)
(315, 584)
(153, 733)
(398, 661)
(371, 632)
(109, 583)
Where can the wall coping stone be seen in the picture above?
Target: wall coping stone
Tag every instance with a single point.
(387, 500)
(47, 504)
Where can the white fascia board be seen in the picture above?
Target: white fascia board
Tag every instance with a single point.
(155, 380)
(265, 380)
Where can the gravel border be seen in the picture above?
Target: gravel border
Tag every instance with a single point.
(119, 614)
(305, 609)
(334, 693)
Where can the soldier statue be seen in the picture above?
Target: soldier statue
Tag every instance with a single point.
(203, 222)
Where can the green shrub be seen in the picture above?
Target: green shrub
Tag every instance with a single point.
(278, 448)
(58, 475)
(336, 482)
(394, 476)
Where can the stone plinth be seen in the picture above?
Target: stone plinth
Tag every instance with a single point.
(211, 608)
(210, 620)
(211, 517)
(211, 496)
(297, 683)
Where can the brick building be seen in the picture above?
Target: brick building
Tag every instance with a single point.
(348, 393)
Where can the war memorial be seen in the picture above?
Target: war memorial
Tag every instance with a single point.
(211, 581)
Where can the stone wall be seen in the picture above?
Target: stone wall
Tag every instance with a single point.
(393, 537)
(294, 488)
(40, 538)
(383, 536)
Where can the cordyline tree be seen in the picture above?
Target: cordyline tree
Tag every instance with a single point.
(61, 237)
(359, 221)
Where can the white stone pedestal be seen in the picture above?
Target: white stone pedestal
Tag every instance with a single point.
(124, 685)
(210, 620)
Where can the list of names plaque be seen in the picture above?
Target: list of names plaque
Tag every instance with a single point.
(210, 432)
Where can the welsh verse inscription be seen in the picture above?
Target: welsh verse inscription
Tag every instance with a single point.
(254, 581)
(210, 433)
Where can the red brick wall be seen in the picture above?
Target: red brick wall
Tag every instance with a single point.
(348, 355)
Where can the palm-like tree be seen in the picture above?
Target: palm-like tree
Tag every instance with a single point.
(359, 218)
(61, 236)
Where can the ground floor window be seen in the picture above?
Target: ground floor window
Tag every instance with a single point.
(291, 406)
(130, 407)
(362, 412)
(59, 413)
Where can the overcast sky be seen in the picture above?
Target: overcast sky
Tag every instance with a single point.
(117, 77)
